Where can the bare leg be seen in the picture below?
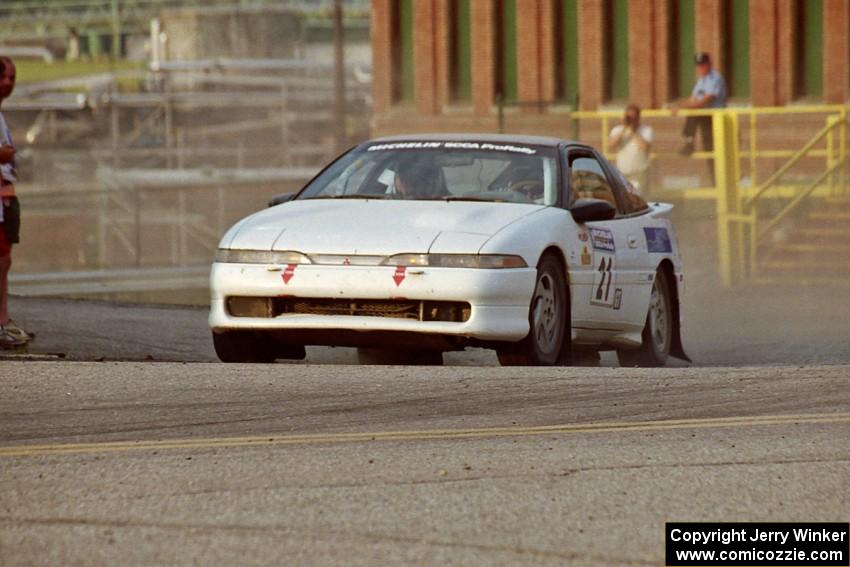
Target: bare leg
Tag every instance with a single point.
(5, 265)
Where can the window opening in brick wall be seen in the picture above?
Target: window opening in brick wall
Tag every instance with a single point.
(736, 47)
(505, 50)
(808, 48)
(460, 51)
(403, 80)
(565, 51)
(682, 42)
(615, 39)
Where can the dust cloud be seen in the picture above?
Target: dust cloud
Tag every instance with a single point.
(797, 315)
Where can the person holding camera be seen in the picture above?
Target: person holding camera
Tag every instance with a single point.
(631, 141)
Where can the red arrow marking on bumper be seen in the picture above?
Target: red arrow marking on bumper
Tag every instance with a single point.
(399, 275)
(288, 273)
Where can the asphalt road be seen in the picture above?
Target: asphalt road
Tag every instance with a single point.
(130, 462)
(164, 463)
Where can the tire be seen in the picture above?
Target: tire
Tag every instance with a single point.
(657, 336)
(242, 346)
(402, 357)
(547, 319)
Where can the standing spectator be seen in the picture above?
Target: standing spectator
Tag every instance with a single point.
(72, 53)
(631, 140)
(709, 92)
(10, 334)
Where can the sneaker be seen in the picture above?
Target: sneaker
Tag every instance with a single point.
(16, 331)
(687, 149)
(7, 340)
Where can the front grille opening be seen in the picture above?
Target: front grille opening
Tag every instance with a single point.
(451, 311)
(397, 309)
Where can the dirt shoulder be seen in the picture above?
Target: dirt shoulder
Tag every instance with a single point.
(723, 327)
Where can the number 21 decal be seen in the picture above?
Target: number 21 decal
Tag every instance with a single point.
(603, 281)
(605, 269)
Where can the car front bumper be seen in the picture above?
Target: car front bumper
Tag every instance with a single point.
(499, 299)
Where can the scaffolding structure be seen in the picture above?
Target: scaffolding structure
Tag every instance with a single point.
(117, 179)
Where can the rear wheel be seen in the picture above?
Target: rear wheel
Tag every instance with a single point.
(410, 357)
(657, 336)
(547, 318)
(243, 346)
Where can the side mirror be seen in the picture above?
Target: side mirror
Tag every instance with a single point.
(281, 198)
(588, 210)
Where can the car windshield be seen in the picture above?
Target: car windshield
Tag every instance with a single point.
(450, 171)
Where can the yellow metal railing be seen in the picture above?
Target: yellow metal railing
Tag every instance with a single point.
(741, 226)
(607, 118)
(836, 157)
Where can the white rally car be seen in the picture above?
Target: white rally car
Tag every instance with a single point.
(406, 247)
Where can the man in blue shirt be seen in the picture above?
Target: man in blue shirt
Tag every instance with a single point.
(709, 92)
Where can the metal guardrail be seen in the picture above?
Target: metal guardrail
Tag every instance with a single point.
(140, 219)
(57, 284)
(27, 52)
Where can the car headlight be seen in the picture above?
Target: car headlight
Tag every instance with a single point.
(236, 256)
(486, 261)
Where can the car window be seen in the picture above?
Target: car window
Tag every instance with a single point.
(352, 177)
(632, 201)
(588, 180)
(442, 170)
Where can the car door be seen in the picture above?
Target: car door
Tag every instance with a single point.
(636, 266)
(603, 295)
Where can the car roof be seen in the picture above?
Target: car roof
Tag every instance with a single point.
(458, 137)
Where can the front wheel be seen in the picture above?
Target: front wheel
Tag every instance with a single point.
(547, 318)
(657, 335)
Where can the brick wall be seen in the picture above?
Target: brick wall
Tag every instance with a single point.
(482, 22)
(836, 51)
(764, 25)
(425, 61)
(785, 40)
(642, 69)
(382, 55)
(708, 30)
(661, 45)
(772, 43)
(530, 41)
(591, 54)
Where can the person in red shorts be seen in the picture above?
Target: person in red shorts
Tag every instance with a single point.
(10, 334)
(7, 339)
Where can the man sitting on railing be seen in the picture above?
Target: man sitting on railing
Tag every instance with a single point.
(708, 92)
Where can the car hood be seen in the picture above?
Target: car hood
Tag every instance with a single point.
(374, 226)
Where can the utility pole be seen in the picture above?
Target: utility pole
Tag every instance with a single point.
(339, 78)
(116, 30)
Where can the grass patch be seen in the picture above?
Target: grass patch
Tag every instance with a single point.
(30, 71)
